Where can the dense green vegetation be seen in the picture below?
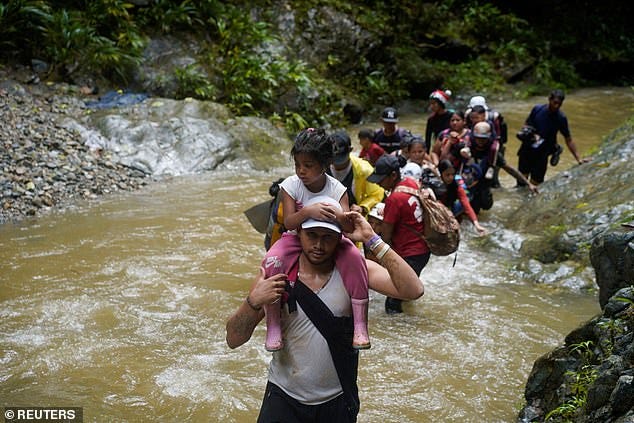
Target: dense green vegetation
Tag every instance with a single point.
(405, 49)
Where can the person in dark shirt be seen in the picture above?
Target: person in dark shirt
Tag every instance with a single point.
(439, 118)
(548, 120)
(389, 137)
(454, 195)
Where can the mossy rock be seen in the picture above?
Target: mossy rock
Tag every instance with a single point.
(259, 141)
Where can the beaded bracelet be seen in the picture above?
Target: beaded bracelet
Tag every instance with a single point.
(251, 304)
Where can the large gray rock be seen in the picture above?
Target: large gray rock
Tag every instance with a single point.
(546, 377)
(600, 193)
(622, 398)
(599, 353)
(612, 257)
(175, 137)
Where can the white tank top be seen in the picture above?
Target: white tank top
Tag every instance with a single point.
(304, 368)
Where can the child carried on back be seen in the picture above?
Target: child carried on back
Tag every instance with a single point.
(313, 153)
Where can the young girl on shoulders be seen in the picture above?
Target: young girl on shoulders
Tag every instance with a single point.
(313, 153)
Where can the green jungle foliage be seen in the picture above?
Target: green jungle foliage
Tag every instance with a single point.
(417, 46)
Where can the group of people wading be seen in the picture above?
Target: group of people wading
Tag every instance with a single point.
(346, 223)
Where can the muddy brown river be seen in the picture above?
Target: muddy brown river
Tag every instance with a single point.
(119, 305)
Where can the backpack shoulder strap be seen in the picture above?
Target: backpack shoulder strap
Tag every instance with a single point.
(338, 333)
(407, 190)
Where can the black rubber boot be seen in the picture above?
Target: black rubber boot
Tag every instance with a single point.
(393, 305)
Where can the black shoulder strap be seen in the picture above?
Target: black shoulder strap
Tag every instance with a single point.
(338, 333)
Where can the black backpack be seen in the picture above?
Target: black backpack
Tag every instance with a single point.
(527, 134)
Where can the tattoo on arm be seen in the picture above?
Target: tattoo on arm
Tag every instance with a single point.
(244, 324)
(241, 325)
(391, 264)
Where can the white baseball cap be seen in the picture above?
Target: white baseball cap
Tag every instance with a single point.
(412, 170)
(478, 100)
(377, 211)
(314, 223)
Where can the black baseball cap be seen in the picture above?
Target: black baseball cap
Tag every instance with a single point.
(385, 165)
(341, 147)
(389, 115)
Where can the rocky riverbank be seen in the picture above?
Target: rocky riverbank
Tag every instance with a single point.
(590, 378)
(45, 166)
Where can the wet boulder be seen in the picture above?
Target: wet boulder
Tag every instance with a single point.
(591, 377)
(612, 257)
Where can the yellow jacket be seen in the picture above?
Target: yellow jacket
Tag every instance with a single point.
(366, 193)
